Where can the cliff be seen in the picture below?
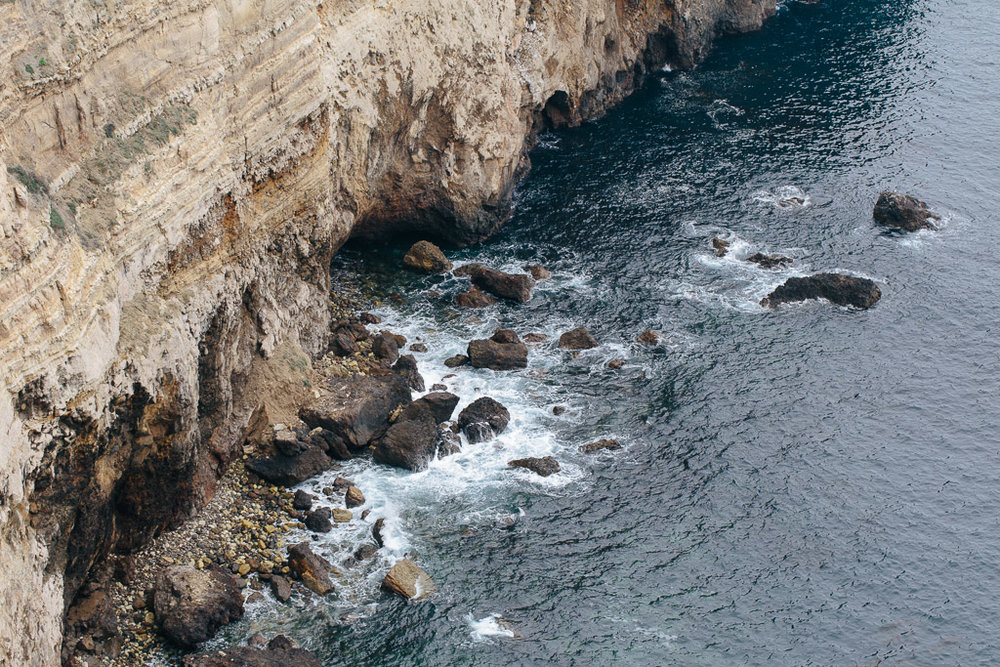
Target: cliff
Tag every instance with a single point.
(174, 179)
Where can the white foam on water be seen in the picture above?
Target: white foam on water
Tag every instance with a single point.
(785, 198)
(721, 111)
(483, 629)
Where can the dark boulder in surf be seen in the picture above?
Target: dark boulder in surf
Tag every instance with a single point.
(904, 212)
(837, 288)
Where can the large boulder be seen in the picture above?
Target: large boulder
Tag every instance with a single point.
(279, 652)
(510, 286)
(406, 366)
(440, 404)
(903, 212)
(191, 604)
(837, 288)
(425, 257)
(290, 470)
(312, 569)
(412, 441)
(408, 580)
(356, 410)
(544, 466)
(386, 347)
(502, 352)
(483, 419)
(320, 520)
(577, 339)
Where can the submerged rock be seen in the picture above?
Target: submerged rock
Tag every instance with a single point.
(356, 410)
(721, 246)
(483, 419)
(191, 604)
(502, 352)
(837, 288)
(312, 569)
(648, 337)
(608, 444)
(538, 272)
(769, 261)
(474, 298)
(290, 470)
(426, 257)
(535, 338)
(904, 212)
(408, 580)
(577, 339)
(456, 361)
(544, 466)
(279, 652)
(510, 286)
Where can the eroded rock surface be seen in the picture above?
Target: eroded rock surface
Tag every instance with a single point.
(899, 211)
(191, 604)
(837, 288)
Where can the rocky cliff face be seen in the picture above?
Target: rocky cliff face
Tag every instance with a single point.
(174, 179)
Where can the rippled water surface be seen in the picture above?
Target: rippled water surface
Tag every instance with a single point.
(812, 485)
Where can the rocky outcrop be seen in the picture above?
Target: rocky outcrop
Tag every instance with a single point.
(542, 466)
(503, 351)
(425, 257)
(837, 288)
(174, 179)
(483, 419)
(903, 212)
(511, 286)
(312, 569)
(279, 652)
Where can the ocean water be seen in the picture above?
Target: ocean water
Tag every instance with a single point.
(812, 485)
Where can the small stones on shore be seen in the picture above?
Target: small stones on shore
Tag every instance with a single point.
(577, 339)
(407, 580)
(425, 257)
(543, 466)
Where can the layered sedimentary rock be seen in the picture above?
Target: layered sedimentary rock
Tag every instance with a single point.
(174, 179)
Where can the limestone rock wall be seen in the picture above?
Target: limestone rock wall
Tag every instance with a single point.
(174, 179)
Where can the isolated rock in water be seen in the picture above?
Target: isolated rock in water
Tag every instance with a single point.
(543, 466)
(503, 352)
(511, 286)
(577, 339)
(483, 419)
(290, 470)
(341, 515)
(408, 580)
(648, 337)
(279, 652)
(456, 361)
(837, 288)
(418, 347)
(474, 298)
(769, 261)
(191, 604)
(377, 529)
(406, 366)
(592, 447)
(616, 364)
(721, 247)
(385, 346)
(354, 497)
(281, 588)
(312, 569)
(538, 272)
(426, 257)
(903, 212)
(535, 338)
(319, 521)
(356, 410)
(302, 500)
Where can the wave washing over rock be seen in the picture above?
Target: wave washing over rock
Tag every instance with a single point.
(174, 180)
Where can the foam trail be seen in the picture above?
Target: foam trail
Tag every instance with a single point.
(489, 626)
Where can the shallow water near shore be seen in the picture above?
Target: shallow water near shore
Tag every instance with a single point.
(807, 485)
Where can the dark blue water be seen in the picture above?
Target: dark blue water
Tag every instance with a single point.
(814, 485)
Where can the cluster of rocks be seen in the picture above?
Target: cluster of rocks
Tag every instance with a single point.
(893, 210)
